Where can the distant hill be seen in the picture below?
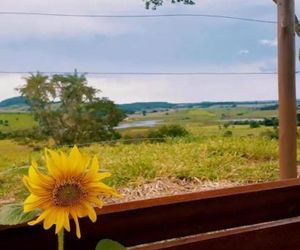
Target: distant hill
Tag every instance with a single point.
(145, 106)
(19, 103)
(18, 100)
(14, 103)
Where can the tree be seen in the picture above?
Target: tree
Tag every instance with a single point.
(153, 4)
(68, 110)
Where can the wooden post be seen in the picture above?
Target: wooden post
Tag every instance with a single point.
(287, 89)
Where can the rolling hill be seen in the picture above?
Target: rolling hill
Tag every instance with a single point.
(19, 104)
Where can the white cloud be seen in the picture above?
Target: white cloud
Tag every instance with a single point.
(243, 52)
(124, 89)
(8, 83)
(271, 43)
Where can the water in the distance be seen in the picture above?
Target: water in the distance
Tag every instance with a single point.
(147, 124)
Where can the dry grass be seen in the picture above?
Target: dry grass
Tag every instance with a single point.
(165, 187)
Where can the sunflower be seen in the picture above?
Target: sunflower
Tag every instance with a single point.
(70, 189)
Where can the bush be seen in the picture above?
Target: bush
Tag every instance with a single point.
(168, 131)
(254, 124)
(270, 134)
(226, 125)
(3, 136)
(228, 133)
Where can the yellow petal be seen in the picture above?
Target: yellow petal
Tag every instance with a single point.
(39, 179)
(78, 163)
(33, 202)
(102, 176)
(77, 225)
(75, 154)
(80, 210)
(53, 163)
(60, 219)
(39, 219)
(67, 223)
(96, 201)
(91, 212)
(101, 188)
(94, 166)
(50, 220)
(34, 189)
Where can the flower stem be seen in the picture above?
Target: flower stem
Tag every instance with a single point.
(60, 237)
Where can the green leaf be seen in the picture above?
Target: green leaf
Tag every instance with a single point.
(13, 214)
(109, 245)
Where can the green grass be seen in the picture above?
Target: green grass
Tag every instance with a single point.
(237, 159)
(16, 121)
(202, 116)
(243, 113)
(246, 157)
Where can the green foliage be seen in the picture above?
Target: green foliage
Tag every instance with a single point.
(226, 125)
(109, 245)
(228, 133)
(254, 124)
(131, 108)
(168, 131)
(13, 214)
(271, 122)
(80, 115)
(271, 134)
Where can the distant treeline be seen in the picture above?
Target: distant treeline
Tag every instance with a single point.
(156, 106)
(269, 122)
(131, 108)
(145, 106)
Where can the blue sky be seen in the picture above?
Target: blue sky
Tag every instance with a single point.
(163, 44)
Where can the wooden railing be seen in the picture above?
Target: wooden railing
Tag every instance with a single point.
(261, 216)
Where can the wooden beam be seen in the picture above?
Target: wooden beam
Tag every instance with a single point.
(287, 89)
(275, 235)
(146, 221)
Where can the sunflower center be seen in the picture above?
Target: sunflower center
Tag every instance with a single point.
(68, 194)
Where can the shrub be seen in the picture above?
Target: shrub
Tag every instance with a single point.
(226, 125)
(228, 133)
(270, 134)
(170, 131)
(254, 124)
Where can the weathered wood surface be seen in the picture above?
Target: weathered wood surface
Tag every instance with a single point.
(158, 219)
(283, 235)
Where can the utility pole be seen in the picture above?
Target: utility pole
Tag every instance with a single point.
(287, 89)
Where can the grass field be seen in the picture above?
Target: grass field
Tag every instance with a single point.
(16, 121)
(243, 157)
(203, 116)
(234, 159)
